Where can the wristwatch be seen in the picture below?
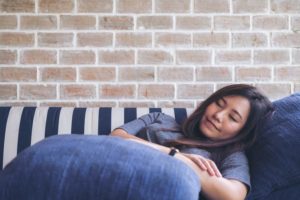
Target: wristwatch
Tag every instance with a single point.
(173, 151)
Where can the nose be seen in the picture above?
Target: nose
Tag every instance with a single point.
(219, 115)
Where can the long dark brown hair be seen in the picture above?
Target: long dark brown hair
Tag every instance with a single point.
(260, 109)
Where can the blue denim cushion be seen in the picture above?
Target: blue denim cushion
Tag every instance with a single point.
(96, 167)
(274, 159)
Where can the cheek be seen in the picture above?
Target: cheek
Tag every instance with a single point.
(233, 129)
(210, 110)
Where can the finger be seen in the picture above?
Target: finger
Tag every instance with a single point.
(215, 168)
(210, 169)
(198, 162)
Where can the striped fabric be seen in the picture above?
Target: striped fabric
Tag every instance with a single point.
(21, 127)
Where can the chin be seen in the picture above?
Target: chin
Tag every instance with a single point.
(207, 133)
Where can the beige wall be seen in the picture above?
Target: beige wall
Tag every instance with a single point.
(166, 53)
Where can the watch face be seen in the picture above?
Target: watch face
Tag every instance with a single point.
(173, 151)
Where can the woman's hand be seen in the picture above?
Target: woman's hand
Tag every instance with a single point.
(204, 164)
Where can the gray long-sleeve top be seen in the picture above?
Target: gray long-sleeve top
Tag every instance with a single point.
(157, 128)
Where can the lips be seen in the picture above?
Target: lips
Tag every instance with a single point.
(210, 122)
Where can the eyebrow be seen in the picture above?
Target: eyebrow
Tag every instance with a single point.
(235, 111)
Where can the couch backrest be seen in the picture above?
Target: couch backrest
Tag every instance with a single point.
(21, 127)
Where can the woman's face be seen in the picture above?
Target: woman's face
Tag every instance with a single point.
(224, 118)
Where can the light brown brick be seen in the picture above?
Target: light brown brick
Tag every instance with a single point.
(232, 23)
(80, 91)
(94, 39)
(122, 57)
(249, 40)
(158, 57)
(213, 74)
(117, 91)
(172, 40)
(55, 74)
(116, 23)
(97, 74)
(221, 85)
(214, 40)
(175, 73)
(176, 104)
(55, 39)
(136, 74)
(156, 91)
(154, 22)
(95, 6)
(250, 6)
(136, 104)
(133, 40)
(287, 73)
(8, 57)
(58, 104)
(194, 91)
(11, 74)
(208, 6)
(265, 22)
(296, 56)
(16, 39)
(38, 22)
(15, 6)
(275, 91)
(8, 92)
(271, 57)
(253, 73)
(134, 6)
(97, 104)
(38, 57)
(56, 6)
(287, 40)
(79, 22)
(172, 6)
(285, 6)
(37, 92)
(233, 57)
(8, 22)
(193, 23)
(193, 57)
(77, 57)
(295, 24)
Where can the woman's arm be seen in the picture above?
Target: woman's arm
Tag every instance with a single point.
(213, 187)
(135, 126)
(219, 188)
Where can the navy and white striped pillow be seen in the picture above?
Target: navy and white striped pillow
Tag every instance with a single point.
(21, 127)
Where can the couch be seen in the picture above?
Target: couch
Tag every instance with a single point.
(274, 159)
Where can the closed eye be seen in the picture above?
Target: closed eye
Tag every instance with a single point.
(218, 103)
(232, 118)
(221, 102)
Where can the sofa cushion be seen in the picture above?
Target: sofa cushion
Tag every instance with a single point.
(21, 127)
(96, 167)
(291, 192)
(274, 159)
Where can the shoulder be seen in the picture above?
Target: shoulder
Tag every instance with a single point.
(160, 117)
(236, 160)
(237, 155)
(235, 166)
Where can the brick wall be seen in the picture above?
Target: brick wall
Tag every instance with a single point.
(167, 53)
